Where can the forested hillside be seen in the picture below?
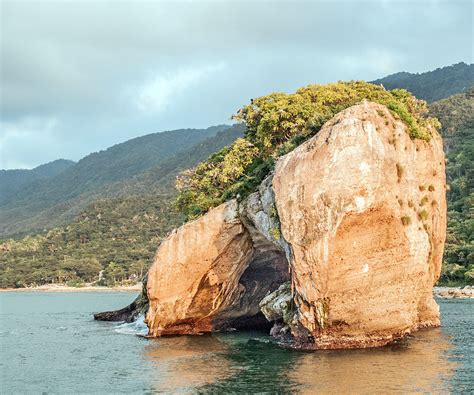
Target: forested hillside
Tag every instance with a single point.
(45, 203)
(12, 181)
(117, 235)
(456, 114)
(433, 85)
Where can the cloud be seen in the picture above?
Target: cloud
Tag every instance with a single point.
(37, 132)
(155, 95)
(110, 71)
(372, 61)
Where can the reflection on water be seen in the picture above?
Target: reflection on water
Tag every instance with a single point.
(49, 343)
(229, 362)
(187, 362)
(418, 364)
(250, 362)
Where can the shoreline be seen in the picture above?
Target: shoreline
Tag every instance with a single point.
(86, 288)
(465, 292)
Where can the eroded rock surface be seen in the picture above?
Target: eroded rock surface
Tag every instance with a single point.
(210, 275)
(363, 209)
(339, 248)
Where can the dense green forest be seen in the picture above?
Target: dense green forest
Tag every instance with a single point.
(456, 114)
(433, 85)
(46, 203)
(112, 241)
(121, 220)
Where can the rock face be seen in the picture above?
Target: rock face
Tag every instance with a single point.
(363, 209)
(339, 248)
(207, 276)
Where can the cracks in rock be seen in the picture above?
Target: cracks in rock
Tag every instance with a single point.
(269, 268)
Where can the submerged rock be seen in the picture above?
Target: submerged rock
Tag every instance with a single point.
(339, 248)
(130, 313)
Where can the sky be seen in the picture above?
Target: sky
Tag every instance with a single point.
(78, 77)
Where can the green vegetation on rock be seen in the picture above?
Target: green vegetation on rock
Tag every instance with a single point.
(276, 124)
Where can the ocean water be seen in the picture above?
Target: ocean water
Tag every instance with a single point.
(50, 344)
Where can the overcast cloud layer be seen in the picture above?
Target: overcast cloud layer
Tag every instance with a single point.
(79, 77)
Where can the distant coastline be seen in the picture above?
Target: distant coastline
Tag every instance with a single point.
(466, 292)
(65, 288)
(463, 292)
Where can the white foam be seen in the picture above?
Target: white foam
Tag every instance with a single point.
(137, 327)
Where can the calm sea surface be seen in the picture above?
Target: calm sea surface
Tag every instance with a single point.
(50, 344)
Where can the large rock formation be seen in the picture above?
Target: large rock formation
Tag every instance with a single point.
(339, 248)
(363, 208)
(210, 275)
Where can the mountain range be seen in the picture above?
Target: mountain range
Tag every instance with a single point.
(53, 194)
(12, 181)
(432, 85)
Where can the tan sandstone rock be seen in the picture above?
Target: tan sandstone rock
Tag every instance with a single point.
(363, 209)
(196, 271)
(339, 248)
(207, 275)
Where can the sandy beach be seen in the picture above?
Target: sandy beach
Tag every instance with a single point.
(441, 292)
(65, 288)
(466, 292)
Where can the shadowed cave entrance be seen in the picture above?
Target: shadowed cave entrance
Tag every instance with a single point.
(267, 270)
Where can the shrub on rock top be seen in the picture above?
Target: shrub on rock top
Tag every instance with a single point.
(278, 123)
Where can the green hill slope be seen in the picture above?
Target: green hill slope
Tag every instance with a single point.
(46, 203)
(117, 235)
(456, 114)
(12, 181)
(433, 85)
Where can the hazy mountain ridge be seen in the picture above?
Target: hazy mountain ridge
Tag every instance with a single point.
(432, 85)
(13, 180)
(161, 178)
(43, 204)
